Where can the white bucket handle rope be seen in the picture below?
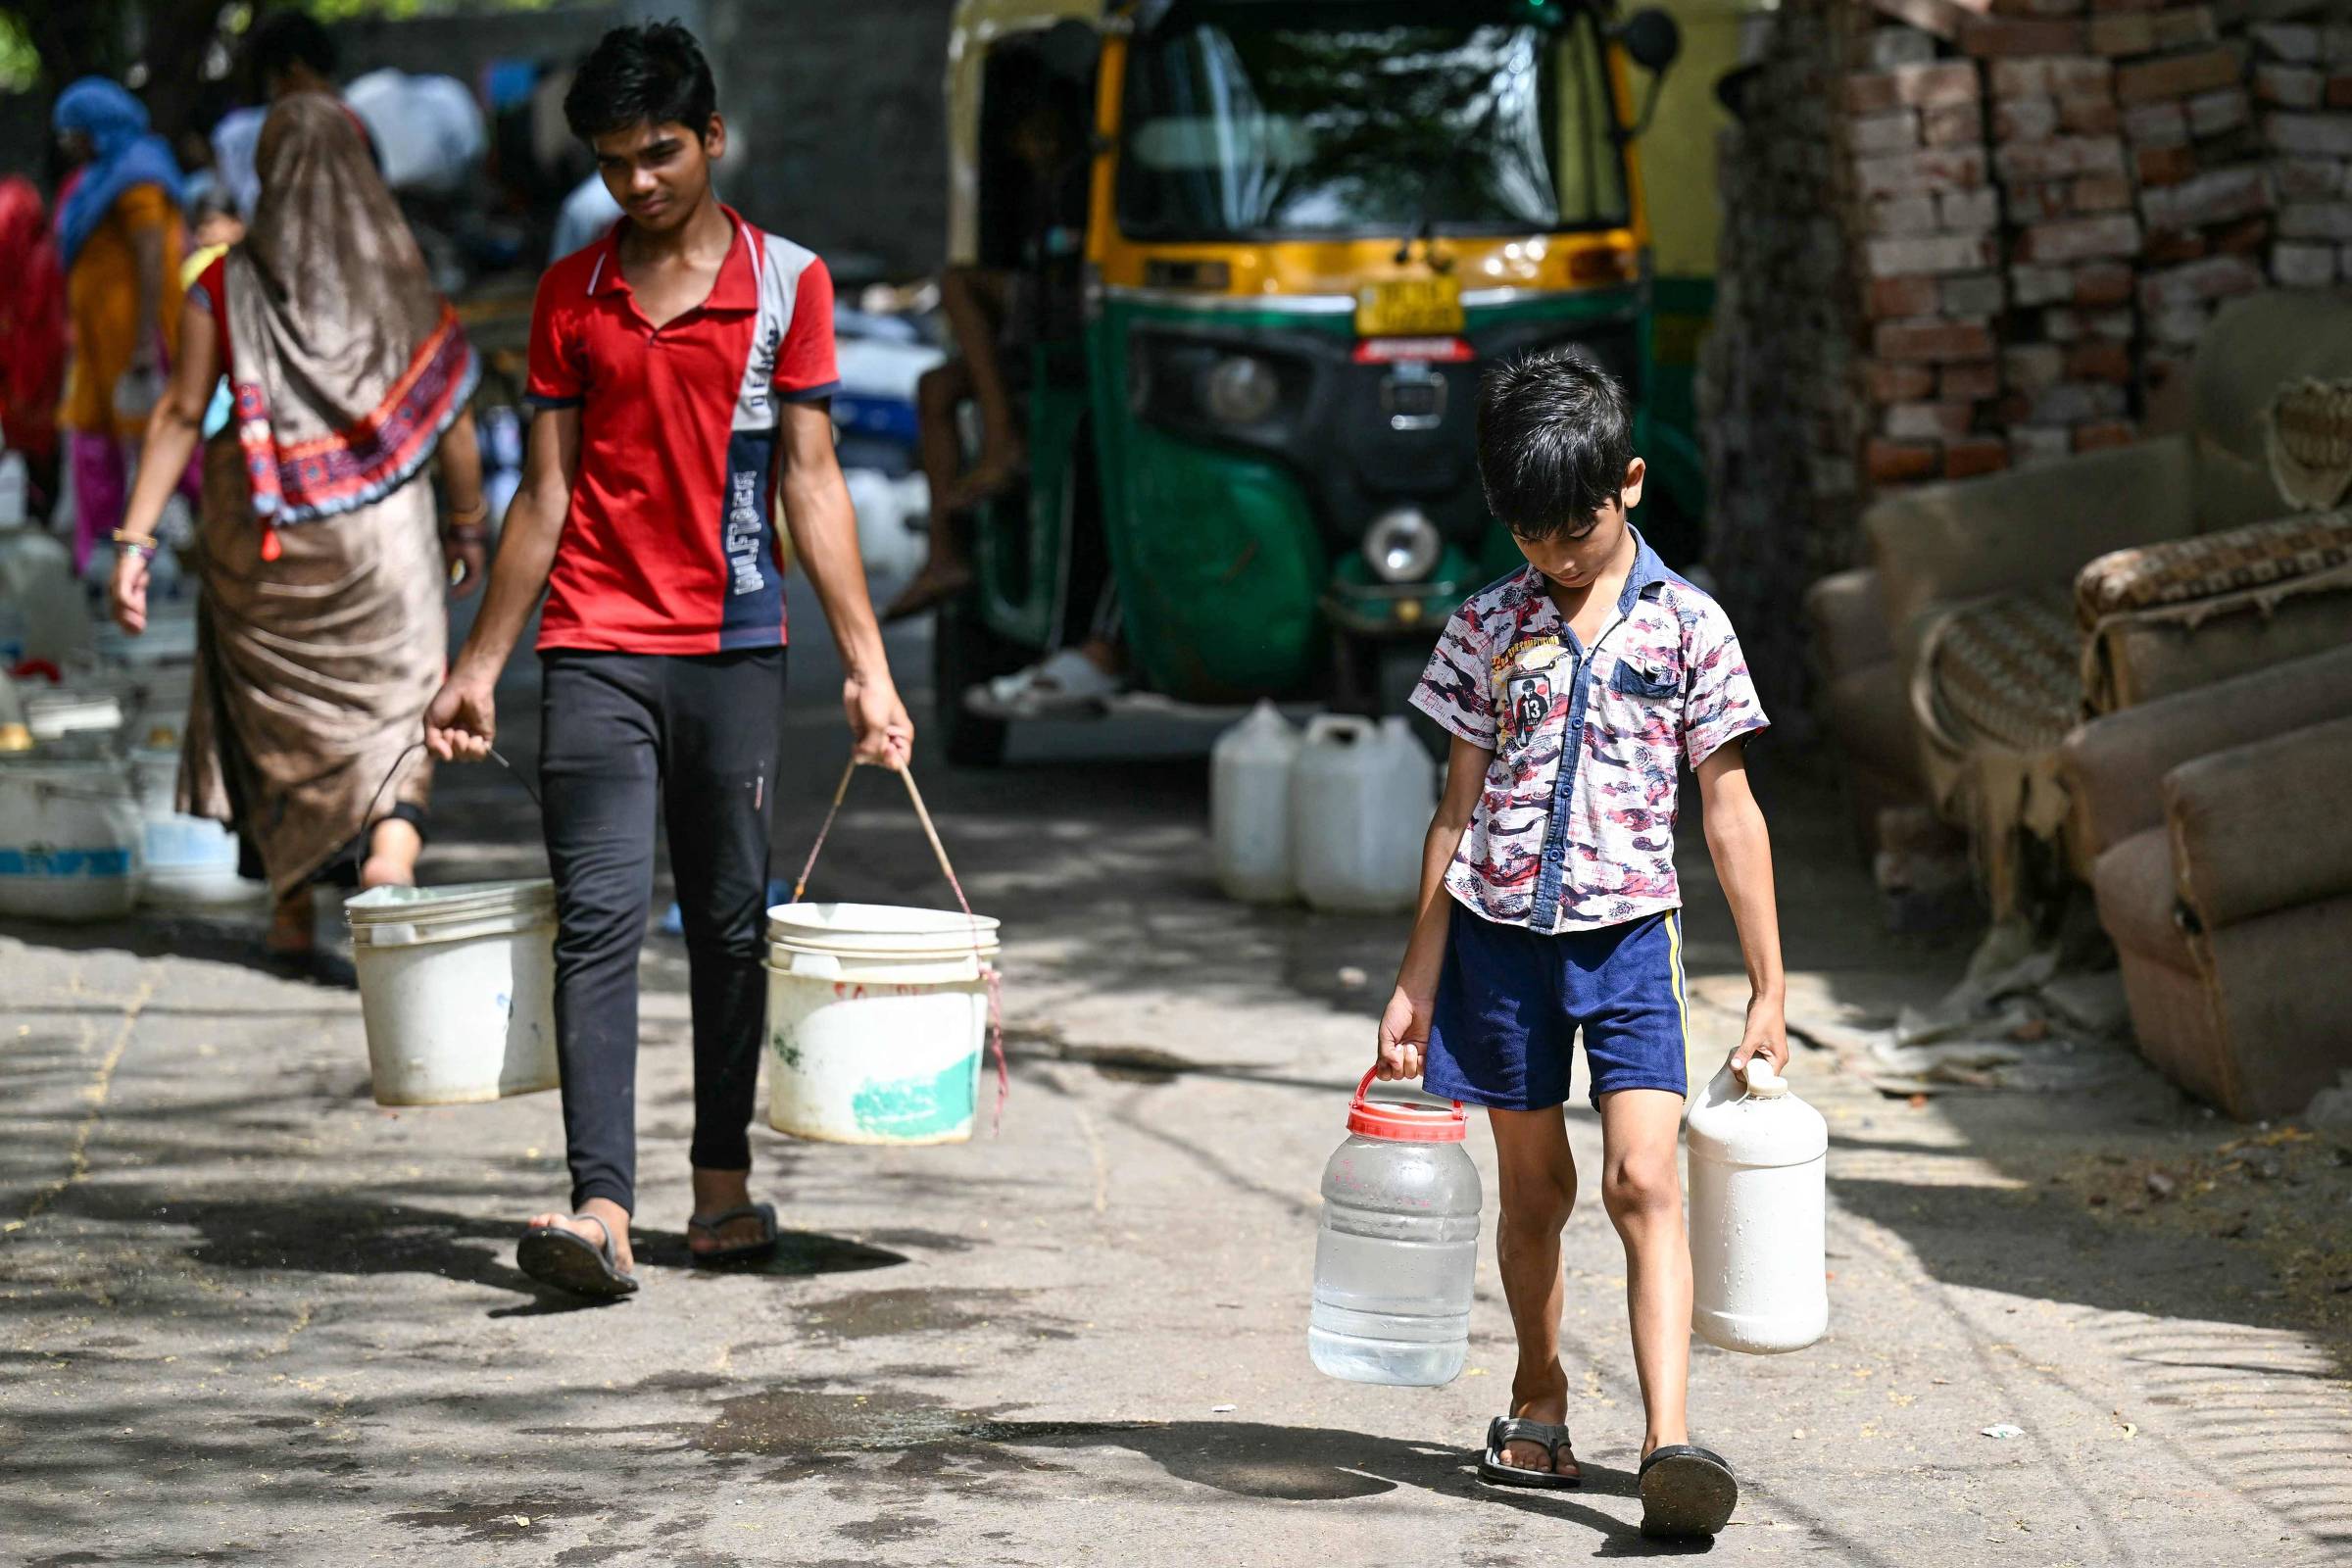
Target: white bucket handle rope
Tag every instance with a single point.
(988, 971)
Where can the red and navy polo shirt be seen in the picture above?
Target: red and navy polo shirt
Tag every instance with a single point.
(670, 544)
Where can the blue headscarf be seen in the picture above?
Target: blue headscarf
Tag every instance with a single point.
(129, 155)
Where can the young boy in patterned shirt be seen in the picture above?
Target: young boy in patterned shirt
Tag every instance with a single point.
(1574, 688)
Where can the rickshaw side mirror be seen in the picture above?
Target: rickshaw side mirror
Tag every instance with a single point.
(1651, 39)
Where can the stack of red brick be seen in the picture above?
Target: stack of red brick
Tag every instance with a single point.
(1925, 220)
(2068, 194)
(1961, 236)
(2303, 91)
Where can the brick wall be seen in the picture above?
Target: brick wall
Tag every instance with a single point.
(1962, 236)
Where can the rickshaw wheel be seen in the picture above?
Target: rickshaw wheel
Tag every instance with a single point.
(963, 653)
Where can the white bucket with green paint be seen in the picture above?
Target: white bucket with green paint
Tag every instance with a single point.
(876, 1018)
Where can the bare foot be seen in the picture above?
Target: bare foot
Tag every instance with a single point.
(715, 1193)
(938, 582)
(1542, 1397)
(615, 1218)
(992, 473)
(292, 924)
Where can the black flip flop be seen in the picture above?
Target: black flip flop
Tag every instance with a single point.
(1685, 1492)
(1505, 1430)
(569, 1262)
(742, 1252)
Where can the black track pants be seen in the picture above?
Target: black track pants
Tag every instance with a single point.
(693, 737)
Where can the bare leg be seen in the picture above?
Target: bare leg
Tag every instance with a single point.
(945, 571)
(392, 851)
(292, 925)
(1643, 1191)
(973, 302)
(1539, 1192)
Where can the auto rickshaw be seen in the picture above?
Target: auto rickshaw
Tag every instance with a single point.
(1308, 225)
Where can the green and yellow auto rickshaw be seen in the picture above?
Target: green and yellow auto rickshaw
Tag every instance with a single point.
(1308, 224)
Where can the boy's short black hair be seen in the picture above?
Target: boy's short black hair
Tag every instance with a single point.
(286, 39)
(654, 74)
(1555, 435)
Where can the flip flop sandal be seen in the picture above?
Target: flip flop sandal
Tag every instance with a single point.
(1066, 682)
(1685, 1492)
(572, 1262)
(742, 1251)
(1505, 1430)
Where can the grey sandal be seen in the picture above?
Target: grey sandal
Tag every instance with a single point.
(569, 1262)
(1685, 1492)
(1553, 1439)
(743, 1251)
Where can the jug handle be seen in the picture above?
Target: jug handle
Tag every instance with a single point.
(1364, 1087)
(1354, 726)
(1760, 1081)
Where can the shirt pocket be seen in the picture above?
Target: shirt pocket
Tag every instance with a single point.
(1654, 681)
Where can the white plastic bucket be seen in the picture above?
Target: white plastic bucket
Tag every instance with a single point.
(186, 862)
(876, 1021)
(457, 989)
(69, 839)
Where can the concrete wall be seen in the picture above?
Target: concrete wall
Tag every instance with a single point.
(835, 109)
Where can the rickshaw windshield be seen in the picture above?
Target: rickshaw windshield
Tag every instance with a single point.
(1273, 121)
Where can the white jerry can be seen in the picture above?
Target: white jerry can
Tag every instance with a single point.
(1361, 797)
(1758, 1214)
(1249, 806)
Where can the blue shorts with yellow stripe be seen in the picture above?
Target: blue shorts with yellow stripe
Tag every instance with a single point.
(1511, 1003)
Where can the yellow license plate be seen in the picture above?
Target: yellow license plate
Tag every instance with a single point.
(1410, 306)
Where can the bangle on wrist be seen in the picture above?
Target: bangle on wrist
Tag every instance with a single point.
(462, 516)
(459, 533)
(139, 544)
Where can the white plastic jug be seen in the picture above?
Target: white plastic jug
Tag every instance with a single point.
(39, 595)
(1361, 795)
(69, 838)
(1758, 1214)
(1397, 1246)
(1249, 806)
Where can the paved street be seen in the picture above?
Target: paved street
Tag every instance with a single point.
(247, 1316)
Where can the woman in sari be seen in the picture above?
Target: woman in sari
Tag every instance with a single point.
(32, 333)
(322, 631)
(119, 236)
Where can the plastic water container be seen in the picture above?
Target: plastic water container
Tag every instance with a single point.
(1361, 795)
(59, 714)
(187, 862)
(457, 990)
(877, 1018)
(40, 603)
(1249, 806)
(69, 835)
(1758, 1214)
(1397, 1246)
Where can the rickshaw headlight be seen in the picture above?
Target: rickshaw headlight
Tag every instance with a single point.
(1240, 389)
(1402, 545)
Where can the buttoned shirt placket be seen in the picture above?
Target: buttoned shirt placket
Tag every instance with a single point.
(1544, 914)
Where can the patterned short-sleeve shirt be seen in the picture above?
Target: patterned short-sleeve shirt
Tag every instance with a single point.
(1588, 844)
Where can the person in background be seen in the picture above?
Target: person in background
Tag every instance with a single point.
(997, 314)
(118, 238)
(287, 51)
(681, 371)
(33, 334)
(322, 630)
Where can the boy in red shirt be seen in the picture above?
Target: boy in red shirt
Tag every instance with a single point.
(680, 369)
